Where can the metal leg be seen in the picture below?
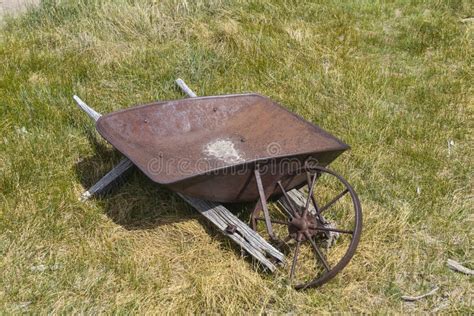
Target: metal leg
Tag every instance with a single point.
(263, 203)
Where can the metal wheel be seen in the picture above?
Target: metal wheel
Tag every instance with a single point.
(320, 229)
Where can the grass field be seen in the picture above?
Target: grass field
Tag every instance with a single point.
(393, 80)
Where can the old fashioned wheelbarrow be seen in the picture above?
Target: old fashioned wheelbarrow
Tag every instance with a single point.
(245, 148)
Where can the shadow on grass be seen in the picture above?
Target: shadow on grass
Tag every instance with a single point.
(132, 201)
(137, 203)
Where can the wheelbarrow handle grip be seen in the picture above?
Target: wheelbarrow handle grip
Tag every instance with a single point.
(180, 82)
(94, 115)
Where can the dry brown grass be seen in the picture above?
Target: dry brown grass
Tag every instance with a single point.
(393, 80)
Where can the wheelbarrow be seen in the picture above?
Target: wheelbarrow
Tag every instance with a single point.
(245, 148)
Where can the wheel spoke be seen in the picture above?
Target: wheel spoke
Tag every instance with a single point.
(340, 195)
(311, 183)
(288, 201)
(295, 260)
(318, 211)
(274, 221)
(342, 231)
(310, 195)
(318, 252)
(315, 204)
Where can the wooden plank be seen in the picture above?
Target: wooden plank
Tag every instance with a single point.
(222, 218)
(299, 200)
(108, 180)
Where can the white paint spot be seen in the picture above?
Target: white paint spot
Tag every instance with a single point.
(223, 150)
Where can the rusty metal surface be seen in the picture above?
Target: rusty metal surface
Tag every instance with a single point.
(208, 147)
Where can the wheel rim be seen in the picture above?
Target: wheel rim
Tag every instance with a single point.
(303, 233)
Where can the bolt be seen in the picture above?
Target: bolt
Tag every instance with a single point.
(231, 229)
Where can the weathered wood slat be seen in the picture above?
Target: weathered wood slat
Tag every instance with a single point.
(299, 200)
(222, 218)
(106, 181)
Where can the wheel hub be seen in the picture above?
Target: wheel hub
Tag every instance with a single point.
(298, 228)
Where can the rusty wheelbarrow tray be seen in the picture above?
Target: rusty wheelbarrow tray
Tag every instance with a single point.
(208, 147)
(243, 148)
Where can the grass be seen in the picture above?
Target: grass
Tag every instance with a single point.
(393, 80)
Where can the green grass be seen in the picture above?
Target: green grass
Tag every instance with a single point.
(393, 80)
